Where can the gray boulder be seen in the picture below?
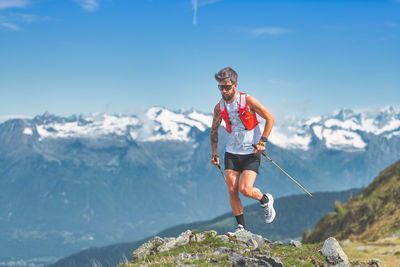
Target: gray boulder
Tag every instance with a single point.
(221, 250)
(148, 248)
(334, 253)
(295, 243)
(182, 239)
(250, 239)
(263, 259)
(375, 263)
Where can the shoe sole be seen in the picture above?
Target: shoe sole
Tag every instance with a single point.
(271, 198)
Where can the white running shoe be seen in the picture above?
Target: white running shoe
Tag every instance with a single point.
(268, 208)
(239, 229)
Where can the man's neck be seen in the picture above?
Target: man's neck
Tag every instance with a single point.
(233, 98)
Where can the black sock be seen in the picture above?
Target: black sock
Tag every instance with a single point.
(240, 220)
(264, 199)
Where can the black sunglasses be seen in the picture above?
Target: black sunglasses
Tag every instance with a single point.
(225, 87)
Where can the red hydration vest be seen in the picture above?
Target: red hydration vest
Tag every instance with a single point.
(249, 119)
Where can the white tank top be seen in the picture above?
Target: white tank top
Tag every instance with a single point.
(240, 140)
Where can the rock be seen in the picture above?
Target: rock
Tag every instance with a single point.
(223, 238)
(334, 254)
(252, 243)
(248, 242)
(221, 250)
(182, 239)
(148, 248)
(213, 261)
(375, 263)
(267, 260)
(277, 243)
(263, 259)
(389, 252)
(295, 243)
(250, 239)
(236, 259)
(190, 256)
(396, 235)
(197, 237)
(212, 233)
(267, 241)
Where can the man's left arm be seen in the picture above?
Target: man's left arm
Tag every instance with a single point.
(263, 112)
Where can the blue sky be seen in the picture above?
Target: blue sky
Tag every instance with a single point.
(120, 56)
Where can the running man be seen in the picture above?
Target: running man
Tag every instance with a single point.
(238, 110)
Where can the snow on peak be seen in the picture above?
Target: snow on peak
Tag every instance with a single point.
(290, 138)
(28, 131)
(156, 124)
(169, 125)
(90, 126)
(341, 130)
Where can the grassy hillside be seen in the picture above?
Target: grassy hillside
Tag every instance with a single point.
(295, 214)
(372, 215)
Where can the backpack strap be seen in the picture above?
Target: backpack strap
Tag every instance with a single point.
(242, 101)
(222, 105)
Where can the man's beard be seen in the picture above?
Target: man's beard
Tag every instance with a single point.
(229, 96)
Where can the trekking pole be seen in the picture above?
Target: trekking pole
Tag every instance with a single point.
(283, 171)
(219, 167)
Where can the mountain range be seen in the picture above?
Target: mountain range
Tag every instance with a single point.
(68, 183)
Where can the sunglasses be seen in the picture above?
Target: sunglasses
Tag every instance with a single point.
(225, 87)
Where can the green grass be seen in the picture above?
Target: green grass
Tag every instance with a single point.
(308, 255)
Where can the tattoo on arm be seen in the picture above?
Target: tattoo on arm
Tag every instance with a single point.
(215, 126)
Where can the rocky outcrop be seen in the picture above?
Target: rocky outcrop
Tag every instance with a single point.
(192, 248)
(334, 254)
(247, 254)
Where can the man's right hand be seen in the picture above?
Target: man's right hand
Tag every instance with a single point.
(215, 160)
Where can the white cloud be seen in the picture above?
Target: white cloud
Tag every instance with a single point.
(268, 31)
(10, 26)
(13, 3)
(197, 3)
(27, 18)
(194, 4)
(89, 5)
(390, 24)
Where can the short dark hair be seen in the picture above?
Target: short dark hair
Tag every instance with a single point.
(226, 74)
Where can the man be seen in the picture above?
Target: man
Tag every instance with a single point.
(242, 161)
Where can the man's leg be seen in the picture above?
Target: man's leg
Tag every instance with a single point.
(247, 189)
(246, 185)
(232, 180)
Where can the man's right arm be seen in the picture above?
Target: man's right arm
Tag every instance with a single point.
(214, 134)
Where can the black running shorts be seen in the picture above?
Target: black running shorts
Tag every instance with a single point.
(240, 163)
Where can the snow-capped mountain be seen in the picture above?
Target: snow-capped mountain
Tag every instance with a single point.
(154, 125)
(342, 130)
(97, 179)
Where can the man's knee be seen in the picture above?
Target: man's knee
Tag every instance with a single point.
(246, 190)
